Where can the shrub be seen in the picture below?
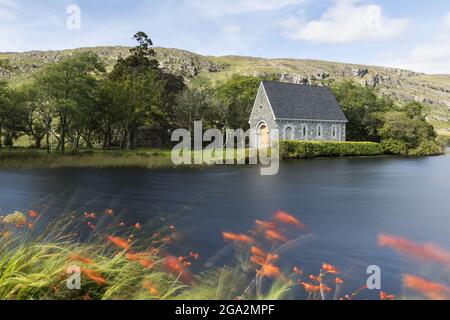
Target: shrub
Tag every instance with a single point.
(443, 141)
(304, 150)
(394, 147)
(427, 148)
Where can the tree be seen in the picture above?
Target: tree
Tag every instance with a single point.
(414, 109)
(235, 98)
(70, 84)
(360, 104)
(399, 126)
(111, 102)
(12, 115)
(193, 105)
(4, 106)
(149, 91)
(39, 114)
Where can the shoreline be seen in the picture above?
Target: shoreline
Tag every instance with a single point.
(152, 159)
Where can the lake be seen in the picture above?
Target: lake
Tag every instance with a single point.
(346, 203)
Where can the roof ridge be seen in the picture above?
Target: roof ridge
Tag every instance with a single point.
(295, 84)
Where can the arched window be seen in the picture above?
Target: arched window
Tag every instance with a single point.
(304, 130)
(289, 133)
(319, 131)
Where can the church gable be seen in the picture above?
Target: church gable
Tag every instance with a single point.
(262, 111)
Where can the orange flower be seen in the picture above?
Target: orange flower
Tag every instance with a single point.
(80, 258)
(324, 288)
(257, 260)
(385, 296)
(431, 290)
(142, 258)
(237, 238)
(109, 212)
(33, 214)
(121, 243)
(286, 218)
(339, 281)
(275, 236)
(149, 286)
(422, 252)
(94, 276)
(265, 224)
(309, 288)
(177, 269)
(138, 226)
(315, 278)
(260, 257)
(269, 270)
(328, 268)
(258, 252)
(30, 226)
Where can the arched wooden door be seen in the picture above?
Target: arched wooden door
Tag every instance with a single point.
(264, 136)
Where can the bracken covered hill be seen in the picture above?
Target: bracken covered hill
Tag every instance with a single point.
(401, 85)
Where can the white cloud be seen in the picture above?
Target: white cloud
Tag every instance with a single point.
(234, 7)
(432, 56)
(346, 21)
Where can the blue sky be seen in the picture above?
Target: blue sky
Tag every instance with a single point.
(401, 33)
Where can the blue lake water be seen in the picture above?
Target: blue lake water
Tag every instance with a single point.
(346, 203)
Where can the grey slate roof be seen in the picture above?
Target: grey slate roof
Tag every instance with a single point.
(303, 102)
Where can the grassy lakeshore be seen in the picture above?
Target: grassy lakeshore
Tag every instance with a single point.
(94, 158)
(152, 158)
(29, 158)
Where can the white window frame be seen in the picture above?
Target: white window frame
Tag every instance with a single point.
(292, 137)
(304, 132)
(334, 131)
(319, 132)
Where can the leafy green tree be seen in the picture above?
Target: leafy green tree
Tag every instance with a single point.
(4, 106)
(193, 105)
(150, 92)
(111, 102)
(70, 84)
(359, 105)
(400, 127)
(235, 98)
(14, 117)
(39, 114)
(414, 109)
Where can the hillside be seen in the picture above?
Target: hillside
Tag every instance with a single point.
(401, 85)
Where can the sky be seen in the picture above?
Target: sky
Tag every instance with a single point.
(407, 34)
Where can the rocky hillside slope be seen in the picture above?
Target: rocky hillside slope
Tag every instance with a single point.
(401, 85)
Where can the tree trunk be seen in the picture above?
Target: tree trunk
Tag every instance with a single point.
(37, 142)
(124, 139)
(107, 137)
(47, 134)
(131, 138)
(47, 139)
(62, 145)
(1, 129)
